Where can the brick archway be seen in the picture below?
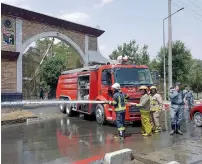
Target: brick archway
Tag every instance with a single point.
(57, 35)
(21, 27)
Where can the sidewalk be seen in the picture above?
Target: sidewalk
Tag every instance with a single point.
(184, 152)
(17, 116)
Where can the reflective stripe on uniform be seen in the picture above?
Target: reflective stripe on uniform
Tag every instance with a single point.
(121, 128)
(119, 107)
(153, 103)
(126, 98)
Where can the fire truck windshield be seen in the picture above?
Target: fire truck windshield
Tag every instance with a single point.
(133, 76)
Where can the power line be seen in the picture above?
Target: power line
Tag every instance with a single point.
(191, 8)
(194, 15)
(195, 4)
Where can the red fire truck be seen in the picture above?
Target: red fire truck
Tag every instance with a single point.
(94, 83)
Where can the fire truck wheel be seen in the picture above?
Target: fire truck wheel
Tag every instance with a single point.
(100, 115)
(62, 107)
(69, 111)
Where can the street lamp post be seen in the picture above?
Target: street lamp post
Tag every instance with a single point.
(164, 51)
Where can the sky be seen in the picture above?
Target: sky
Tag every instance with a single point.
(125, 20)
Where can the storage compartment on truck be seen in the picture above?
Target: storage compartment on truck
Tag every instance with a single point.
(83, 91)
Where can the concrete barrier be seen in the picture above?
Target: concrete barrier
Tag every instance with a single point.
(119, 157)
(173, 162)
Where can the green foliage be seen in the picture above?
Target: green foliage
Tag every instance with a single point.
(181, 61)
(195, 76)
(133, 51)
(51, 70)
(60, 57)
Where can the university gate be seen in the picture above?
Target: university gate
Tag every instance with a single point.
(21, 27)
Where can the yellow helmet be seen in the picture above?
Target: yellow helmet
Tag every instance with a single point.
(153, 87)
(143, 87)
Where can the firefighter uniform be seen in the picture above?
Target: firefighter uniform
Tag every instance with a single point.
(190, 99)
(156, 105)
(177, 109)
(119, 102)
(145, 112)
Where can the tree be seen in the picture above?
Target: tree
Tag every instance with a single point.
(31, 64)
(132, 50)
(181, 61)
(195, 76)
(51, 70)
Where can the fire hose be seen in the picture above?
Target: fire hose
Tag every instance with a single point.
(47, 102)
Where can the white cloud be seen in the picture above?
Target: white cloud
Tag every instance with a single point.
(102, 3)
(77, 17)
(107, 1)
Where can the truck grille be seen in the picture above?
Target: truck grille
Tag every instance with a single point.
(134, 109)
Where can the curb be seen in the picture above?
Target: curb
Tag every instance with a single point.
(119, 157)
(18, 120)
(126, 156)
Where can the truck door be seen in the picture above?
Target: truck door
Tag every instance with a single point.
(106, 90)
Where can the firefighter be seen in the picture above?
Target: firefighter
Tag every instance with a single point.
(145, 111)
(177, 108)
(156, 105)
(119, 102)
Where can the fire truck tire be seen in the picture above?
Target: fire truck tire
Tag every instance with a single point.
(62, 106)
(100, 115)
(68, 110)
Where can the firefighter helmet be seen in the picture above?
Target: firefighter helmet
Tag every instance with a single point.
(153, 87)
(143, 87)
(116, 86)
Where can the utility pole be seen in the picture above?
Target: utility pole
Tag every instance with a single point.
(170, 81)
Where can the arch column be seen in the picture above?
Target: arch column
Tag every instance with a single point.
(19, 49)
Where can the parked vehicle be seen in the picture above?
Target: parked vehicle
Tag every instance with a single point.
(94, 83)
(196, 114)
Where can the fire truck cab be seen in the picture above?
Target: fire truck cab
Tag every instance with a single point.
(94, 83)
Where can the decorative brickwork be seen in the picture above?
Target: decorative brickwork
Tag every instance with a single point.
(31, 28)
(8, 75)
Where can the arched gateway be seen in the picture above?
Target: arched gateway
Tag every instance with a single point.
(21, 27)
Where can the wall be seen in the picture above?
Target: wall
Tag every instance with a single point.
(8, 76)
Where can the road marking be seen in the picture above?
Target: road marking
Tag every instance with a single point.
(89, 160)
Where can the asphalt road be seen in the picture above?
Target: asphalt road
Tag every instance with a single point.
(74, 140)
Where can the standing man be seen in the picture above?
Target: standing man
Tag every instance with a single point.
(177, 108)
(119, 102)
(41, 93)
(156, 105)
(190, 100)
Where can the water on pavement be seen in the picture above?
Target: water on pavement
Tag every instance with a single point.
(70, 140)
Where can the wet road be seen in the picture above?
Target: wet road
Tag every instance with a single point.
(74, 140)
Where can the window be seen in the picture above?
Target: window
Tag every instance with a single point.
(106, 77)
(133, 76)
